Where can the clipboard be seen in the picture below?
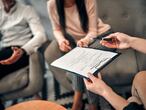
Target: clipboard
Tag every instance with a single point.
(81, 61)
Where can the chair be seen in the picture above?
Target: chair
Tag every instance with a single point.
(27, 81)
(124, 16)
(24, 82)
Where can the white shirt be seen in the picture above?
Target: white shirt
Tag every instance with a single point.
(19, 26)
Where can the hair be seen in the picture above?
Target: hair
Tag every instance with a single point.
(82, 14)
(8, 4)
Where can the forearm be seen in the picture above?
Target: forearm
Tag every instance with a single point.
(32, 45)
(115, 100)
(58, 35)
(138, 44)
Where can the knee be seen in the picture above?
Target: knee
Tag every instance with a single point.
(35, 62)
(140, 78)
(34, 57)
(52, 52)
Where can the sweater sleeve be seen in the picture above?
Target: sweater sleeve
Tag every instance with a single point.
(93, 18)
(54, 20)
(37, 30)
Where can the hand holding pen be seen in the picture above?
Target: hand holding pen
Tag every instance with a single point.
(116, 40)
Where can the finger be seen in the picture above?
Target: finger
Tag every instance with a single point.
(110, 45)
(5, 62)
(99, 76)
(87, 82)
(85, 44)
(66, 42)
(92, 77)
(64, 49)
(111, 35)
(14, 48)
(16, 51)
(80, 44)
(102, 42)
(67, 47)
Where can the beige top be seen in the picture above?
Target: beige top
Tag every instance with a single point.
(96, 26)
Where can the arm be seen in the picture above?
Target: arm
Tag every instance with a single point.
(138, 44)
(31, 46)
(37, 30)
(93, 22)
(123, 41)
(93, 18)
(64, 44)
(54, 18)
(98, 86)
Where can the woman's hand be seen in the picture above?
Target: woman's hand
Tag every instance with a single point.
(17, 54)
(84, 42)
(96, 85)
(119, 40)
(64, 45)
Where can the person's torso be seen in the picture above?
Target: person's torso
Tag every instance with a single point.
(14, 27)
(73, 24)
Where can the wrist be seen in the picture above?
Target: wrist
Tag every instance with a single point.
(107, 92)
(61, 40)
(131, 41)
(23, 50)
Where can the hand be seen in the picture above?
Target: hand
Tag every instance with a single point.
(84, 42)
(96, 85)
(17, 54)
(120, 40)
(64, 45)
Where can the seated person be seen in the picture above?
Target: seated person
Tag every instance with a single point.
(75, 22)
(22, 33)
(138, 99)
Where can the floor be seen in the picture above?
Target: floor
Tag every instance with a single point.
(53, 91)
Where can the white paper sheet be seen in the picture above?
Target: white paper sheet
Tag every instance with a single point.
(83, 60)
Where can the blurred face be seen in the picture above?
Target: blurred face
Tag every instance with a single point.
(8, 4)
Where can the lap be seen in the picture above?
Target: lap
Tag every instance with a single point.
(52, 52)
(7, 69)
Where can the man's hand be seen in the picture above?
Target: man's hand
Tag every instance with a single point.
(17, 54)
(64, 45)
(119, 40)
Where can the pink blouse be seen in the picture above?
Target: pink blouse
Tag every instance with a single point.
(73, 27)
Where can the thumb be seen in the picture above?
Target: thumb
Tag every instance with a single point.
(111, 36)
(66, 42)
(99, 75)
(15, 48)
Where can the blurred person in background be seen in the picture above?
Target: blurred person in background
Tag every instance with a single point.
(22, 34)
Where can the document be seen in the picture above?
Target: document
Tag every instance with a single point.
(84, 60)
